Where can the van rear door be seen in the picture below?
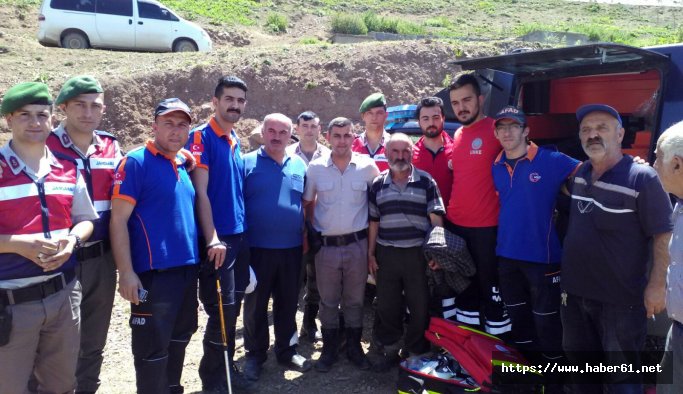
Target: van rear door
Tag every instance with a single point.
(115, 23)
(155, 27)
(549, 85)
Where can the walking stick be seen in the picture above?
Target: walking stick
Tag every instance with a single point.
(224, 334)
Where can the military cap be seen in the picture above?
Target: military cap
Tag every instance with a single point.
(372, 101)
(25, 93)
(75, 86)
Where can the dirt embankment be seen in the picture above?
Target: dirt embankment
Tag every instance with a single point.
(332, 81)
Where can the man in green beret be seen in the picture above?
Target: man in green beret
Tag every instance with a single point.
(373, 111)
(97, 154)
(45, 217)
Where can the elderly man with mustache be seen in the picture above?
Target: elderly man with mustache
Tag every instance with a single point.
(273, 195)
(404, 205)
(617, 208)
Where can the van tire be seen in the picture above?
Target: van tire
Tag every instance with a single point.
(184, 46)
(75, 40)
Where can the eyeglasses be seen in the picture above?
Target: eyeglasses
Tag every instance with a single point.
(509, 127)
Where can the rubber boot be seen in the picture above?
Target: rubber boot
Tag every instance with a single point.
(354, 351)
(309, 329)
(342, 333)
(329, 353)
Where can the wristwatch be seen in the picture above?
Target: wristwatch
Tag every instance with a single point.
(79, 243)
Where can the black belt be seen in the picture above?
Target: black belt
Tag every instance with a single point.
(37, 291)
(344, 239)
(93, 251)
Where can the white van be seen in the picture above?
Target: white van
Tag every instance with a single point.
(123, 24)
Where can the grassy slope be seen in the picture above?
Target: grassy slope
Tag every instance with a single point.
(481, 19)
(461, 19)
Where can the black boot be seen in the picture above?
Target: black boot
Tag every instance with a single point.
(329, 354)
(354, 351)
(309, 329)
(342, 333)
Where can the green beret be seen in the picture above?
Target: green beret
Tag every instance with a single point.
(78, 85)
(25, 93)
(372, 101)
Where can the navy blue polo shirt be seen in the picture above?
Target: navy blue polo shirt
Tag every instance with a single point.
(218, 151)
(611, 224)
(162, 229)
(527, 196)
(272, 195)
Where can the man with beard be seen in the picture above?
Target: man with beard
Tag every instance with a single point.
(618, 209)
(404, 204)
(273, 190)
(337, 186)
(472, 211)
(97, 154)
(308, 129)
(433, 150)
(373, 111)
(218, 181)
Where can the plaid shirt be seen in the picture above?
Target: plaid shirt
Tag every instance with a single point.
(450, 252)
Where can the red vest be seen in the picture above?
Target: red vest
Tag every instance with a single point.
(380, 158)
(97, 168)
(40, 207)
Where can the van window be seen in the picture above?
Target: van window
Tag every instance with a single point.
(153, 11)
(74, 5)
(115, 7)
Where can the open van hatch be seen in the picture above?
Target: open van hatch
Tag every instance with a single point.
(549, 85)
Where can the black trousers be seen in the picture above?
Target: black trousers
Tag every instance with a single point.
(278, 275)
(531, 292)
(401, 276)
(162, 328)
(482, 296)
(234, 278)
(311, 294)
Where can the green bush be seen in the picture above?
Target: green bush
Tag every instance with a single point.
(348, 24)
(384, 24)
(276, 23)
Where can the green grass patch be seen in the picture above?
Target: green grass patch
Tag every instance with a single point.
(243, 12)
(21, 3)
(276, 23)
(369, 21)
(602, 30)
(348, 24)
(310, 41)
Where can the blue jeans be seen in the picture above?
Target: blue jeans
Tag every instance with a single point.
(598, 332)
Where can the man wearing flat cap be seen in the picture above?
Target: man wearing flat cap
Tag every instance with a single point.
(97, 154)
(45, 216)
(527, 179)
(154, 239)
(618, 208)
(372, 142)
